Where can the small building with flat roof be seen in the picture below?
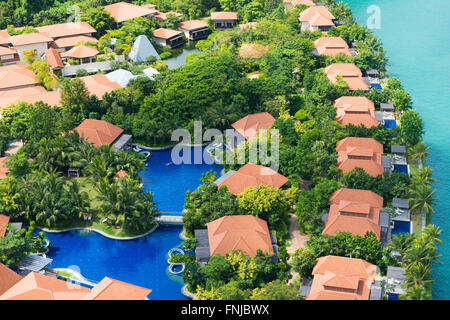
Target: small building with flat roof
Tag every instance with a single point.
(194, 29)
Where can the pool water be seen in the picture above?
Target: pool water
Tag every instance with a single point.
(419, 55)
(393, 296)
(142, 262)
(390, 124)
(401, 227)
(169, 182)
(376, 85)
(401, 168)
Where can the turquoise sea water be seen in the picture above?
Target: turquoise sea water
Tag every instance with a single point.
(415, 35)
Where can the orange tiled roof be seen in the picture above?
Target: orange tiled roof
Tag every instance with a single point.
(331, 46)
(30, 38)
(111, 289)
(121, 174)
(364, 153)
(349, 73)
(7, 51)
(8, 278)
(30, 95)
(4, 220)
(317, 16)
(253, 175)
(122, 11)
(81, 51)
(341, 278)
(98, 132)
(240, 232)
(253, 50)
(53, 58)
(192, 24)
(165, 33)
(355, 110)
(37, 286)
(4, 37)
(224, 15)
(67, 29)
(17, 75)
(162, 16)
(250, 125)
(99, 84)
(73, 40)
(355, 211)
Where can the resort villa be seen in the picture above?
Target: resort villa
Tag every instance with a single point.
(248, 127)
(36, 286)
(357, 212)
(224, 20)
(99, 84)
(81, 54)
(16, 76)
(194, 29)
(123, 11)
(245, 233)
(168, 38)
(67, 35)
(100, 132)
(331, 46)
(362, 153)
(162, 16)
(341, 278)
(39, 42)
(53, 58)
(316, 18)
(250, 175)
(347, 72)
(8, 56)
(355, 110)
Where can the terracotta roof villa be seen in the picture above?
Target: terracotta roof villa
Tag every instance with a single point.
(16, 76)
(30, 95)
(362, 153)
(355, 110)
(349, 73)
(357, 212)
(331, 46)
(8, 55)
(36, 286)
(224, 20)
(66, 43)
(68, 29)
(54, 59)
(82, 53)
(194, 29)
(167, 37)
(123, 11)
(250, 125)
(251, 175)
(246, 233)
(290, 4)
(31, 41)
(341, 278)
(162, 16)
(99, 84)
(316, 18)
(100, 132)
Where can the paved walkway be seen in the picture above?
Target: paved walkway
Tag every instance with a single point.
(297, 240)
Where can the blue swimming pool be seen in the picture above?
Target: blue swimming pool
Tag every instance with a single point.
(141, 262)
(376, 85)
(393, 296)
(401, 227)
(168, 182)
(402, 168)
(390, 124)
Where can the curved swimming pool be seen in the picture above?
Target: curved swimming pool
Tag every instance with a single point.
(142, 261)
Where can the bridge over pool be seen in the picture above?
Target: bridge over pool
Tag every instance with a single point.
(165, 218)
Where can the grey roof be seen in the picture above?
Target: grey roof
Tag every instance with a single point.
(386, 107)
(376, 292)
(398, 149)
(324, 217)
(273, 238)
(202, 254)
(150, 73)
(395, 278)
(367, 80)
(121, 76)
(305, 287)
(379, 117)
(202, 237)
(385, 219)
(372, 72)
(89, 67)
(121, 142)
(224, 177)
(386, 161)
(34, 262)
(142, 48)
(400, 203)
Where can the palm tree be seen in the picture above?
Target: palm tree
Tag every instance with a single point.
(431, 233)
(416, 293)
(220, 116)
(422, 198)
(401, 242)
(419, 152)
(423, 176)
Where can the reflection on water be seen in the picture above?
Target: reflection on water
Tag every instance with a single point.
(179, 55)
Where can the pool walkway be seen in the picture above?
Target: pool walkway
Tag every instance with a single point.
(171, 220)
